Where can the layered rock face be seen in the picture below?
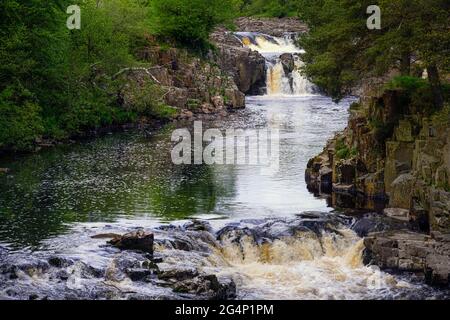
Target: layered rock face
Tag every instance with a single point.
(389, 150)
(246, 67)
(411, 252)
(395, 151)
(189, 84)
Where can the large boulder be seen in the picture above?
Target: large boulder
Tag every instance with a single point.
(138, 240)
(247, 67)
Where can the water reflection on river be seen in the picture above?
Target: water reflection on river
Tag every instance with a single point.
(130, 175)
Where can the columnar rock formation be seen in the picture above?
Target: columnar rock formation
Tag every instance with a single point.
(400, 152)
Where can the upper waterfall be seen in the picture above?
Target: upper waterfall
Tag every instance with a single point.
(283, 63)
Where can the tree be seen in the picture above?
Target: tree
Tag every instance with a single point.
(32, 64)
(269, 8)
(340, 50)
(189, 22)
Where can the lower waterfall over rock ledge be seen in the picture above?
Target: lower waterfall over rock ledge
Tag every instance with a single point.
(312, 256)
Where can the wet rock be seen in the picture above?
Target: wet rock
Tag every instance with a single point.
(273, 229)
(412, 252)
(276, 27)
(178, 274)
(344, 188)
(235, 99)
(140, 274)
(198, 225)
(186, 115)
(374, 222)
(30, 266)
(105, 236)
(397, 213)
(287, 60)
(246, 67)
(218, 102)
(207, 286)
(87, 271)
(402, 191)
(63, 275)
(60, 262)
(138, 240)
(346, 171)
(177, 97)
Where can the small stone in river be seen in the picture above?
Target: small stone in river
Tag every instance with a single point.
(63, 275)
(138, 240)
(59, 262)
(140, 274)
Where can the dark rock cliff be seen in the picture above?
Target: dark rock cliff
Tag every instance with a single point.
(394, 150)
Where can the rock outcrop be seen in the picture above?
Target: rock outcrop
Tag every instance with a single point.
(245, 66)
(271, 26)
(394, 150)
(411, 252)
(389, 150)
(188, 84)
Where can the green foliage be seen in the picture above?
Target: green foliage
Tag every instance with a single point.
(408, 83)
(417, 93)
(163, 111)
(54, 82)
(340, 50)
(343, 151)
(189, 22)
(19, 126)
(147, 100)
(32, 67)
(269, 8)
(193, 104)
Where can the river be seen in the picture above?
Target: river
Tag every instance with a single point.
(52, 202)
(130, 175)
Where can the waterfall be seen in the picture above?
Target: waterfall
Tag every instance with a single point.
(283, 63)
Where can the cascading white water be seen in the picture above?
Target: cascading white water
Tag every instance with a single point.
(279, 81)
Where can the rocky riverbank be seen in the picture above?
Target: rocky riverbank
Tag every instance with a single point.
(193, 260)
(398, 151)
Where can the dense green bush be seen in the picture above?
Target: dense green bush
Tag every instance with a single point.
(189, 22)
(54, 82)
(269, 8)
(20, 120)
(407, 83)
(343, 151)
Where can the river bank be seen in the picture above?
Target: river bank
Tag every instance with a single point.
(395, 149)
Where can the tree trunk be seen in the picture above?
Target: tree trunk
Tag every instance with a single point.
(405, 63)
(435, 83)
